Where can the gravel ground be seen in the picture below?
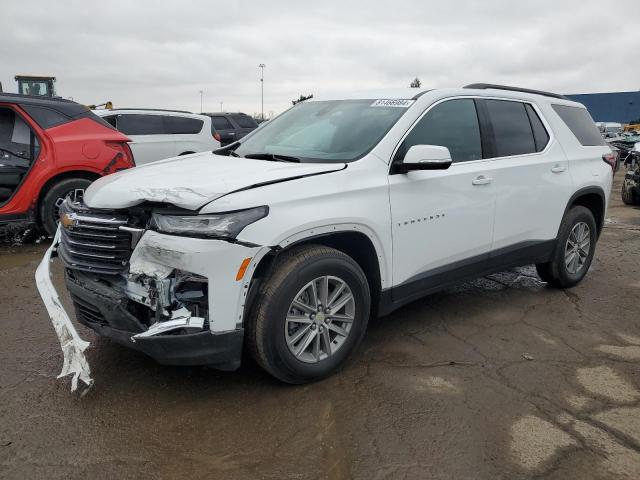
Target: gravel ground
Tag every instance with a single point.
(498, 378)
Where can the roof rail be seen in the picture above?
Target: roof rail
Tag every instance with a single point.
(154, 110)
(486, 86)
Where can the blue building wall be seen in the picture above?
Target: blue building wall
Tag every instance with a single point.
(621, 107)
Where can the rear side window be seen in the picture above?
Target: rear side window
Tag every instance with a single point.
(581, 125)
(111, 120)
(221, 123)
(141, 124)
(540, 134)
(182, 125)
(452, 124)
(511, 128)
(245, 121)
(45, 117)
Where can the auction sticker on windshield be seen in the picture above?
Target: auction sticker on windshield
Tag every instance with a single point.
(393, 102)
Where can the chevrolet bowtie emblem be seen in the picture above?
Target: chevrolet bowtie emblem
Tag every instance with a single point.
(67, 220)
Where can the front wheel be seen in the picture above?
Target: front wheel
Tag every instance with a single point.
(574, 250)
(310, 315)
(50, 205)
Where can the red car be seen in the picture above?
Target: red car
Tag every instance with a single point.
(51, 148)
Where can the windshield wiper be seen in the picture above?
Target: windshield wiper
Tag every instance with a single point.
(272, 157)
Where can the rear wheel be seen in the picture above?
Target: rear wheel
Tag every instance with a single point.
(310, 314)
(50, 205)
(574, 250)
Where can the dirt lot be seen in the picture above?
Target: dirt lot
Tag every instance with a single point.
(499, 378)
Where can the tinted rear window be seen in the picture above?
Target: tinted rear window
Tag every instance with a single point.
(245, 121)
(221, 123)
(141, 124)
(182, 125)
(581, 125)
(511, 128)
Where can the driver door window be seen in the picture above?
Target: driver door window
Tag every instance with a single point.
(452, 124)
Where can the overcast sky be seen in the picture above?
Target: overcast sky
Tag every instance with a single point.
(161, 54)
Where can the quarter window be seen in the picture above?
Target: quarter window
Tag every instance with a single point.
(581, 124)
(452, 124)
(137, 124)
(182, 125)
(111, 121)
(511, 128)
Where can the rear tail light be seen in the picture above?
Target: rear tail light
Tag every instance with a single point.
(216, 136)
(123, 158)
(610, 158)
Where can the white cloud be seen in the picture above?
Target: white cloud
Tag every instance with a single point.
(160, 54)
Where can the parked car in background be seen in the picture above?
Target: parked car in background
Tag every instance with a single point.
(232, 126)
(160, 134)
(51, 148)
(610, 130)
(341, 208)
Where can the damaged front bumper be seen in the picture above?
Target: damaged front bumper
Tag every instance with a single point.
(146, 308)
(73, 347)
(110, 318)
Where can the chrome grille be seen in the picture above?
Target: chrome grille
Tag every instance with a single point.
(92, 241)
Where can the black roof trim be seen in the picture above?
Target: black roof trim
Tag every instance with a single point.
(50, 112)
(487, 86)
(419, 94)
(153, 110)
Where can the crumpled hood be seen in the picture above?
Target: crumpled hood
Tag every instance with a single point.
(193, 181)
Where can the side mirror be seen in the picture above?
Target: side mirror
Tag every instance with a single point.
(425, 157)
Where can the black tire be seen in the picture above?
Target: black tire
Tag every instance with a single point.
(266, 322)
(50, 203)
(555, 272)
(629, 196)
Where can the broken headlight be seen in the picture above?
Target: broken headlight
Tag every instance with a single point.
(214, 225)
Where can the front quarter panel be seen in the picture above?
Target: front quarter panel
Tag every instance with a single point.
(353, 199)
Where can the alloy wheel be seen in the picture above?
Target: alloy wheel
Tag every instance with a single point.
(319, 319)
(577, 248)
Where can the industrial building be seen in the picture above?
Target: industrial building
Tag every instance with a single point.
(620, 107)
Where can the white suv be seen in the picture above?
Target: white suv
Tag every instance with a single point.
(160, 134)
(338, 209)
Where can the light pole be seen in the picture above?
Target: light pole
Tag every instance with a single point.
(200, 101)
(221, 110)
(261, 67)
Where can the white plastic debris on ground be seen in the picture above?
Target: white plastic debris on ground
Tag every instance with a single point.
(73, 347)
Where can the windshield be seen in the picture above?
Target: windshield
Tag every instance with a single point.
(329, 131)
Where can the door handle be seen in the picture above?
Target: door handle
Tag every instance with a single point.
(558, 169)
(482, 180)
